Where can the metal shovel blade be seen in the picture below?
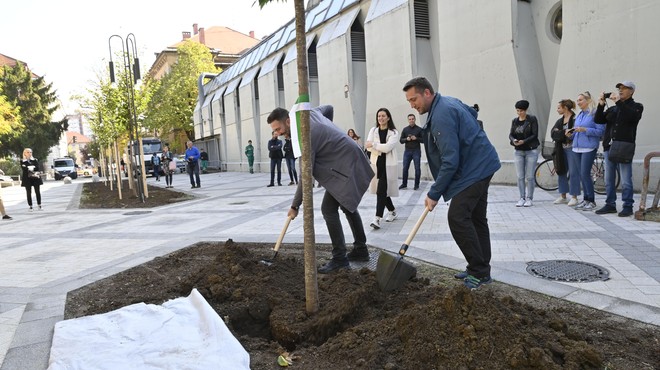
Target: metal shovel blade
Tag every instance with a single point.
(392, 271)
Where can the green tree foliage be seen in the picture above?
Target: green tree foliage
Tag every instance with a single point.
(172, 99)
(10, 119)
(36, 102)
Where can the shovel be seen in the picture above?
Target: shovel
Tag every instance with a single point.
(269, 262)
(392, 271)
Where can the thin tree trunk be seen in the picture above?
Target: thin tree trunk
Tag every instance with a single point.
(311, 283)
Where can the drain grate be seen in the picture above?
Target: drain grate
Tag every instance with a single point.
(371, 264)
(134, 213)
(569, 271)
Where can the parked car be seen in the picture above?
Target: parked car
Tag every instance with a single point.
(181, 162)
(5, 180)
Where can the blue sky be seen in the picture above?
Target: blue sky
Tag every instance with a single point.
(67, 41)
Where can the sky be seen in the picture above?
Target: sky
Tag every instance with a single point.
(66, 41)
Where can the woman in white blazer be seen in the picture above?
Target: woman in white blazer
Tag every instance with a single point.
(382, 142)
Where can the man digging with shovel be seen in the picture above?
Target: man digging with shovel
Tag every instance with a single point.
(462, 162)
(341, 167)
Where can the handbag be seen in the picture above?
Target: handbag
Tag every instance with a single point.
(621, 152)
(172, 166)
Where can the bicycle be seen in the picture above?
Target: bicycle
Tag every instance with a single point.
(546, 176)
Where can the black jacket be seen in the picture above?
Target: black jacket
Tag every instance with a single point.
(527, 130)
(414, 131)
(558, 135)
(288, 149)
(26, 179)
(621, 119)
(275, 149)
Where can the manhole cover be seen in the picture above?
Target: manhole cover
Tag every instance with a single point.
(569, 271)
(237, 203)
(135, 213)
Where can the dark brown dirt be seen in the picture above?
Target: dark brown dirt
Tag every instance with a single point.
(430, 323)
(98, 195)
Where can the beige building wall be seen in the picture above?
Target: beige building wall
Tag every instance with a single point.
(488, 52)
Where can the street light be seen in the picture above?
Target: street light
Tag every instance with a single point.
(129, 51)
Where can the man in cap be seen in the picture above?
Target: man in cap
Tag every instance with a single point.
(621, 120)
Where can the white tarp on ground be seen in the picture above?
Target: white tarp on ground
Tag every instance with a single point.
(183, 333)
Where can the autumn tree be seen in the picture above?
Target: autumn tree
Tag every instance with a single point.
(172, 99)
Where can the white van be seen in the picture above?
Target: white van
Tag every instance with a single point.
(63, 167)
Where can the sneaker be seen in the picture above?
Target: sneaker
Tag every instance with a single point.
(626, 211)
(333, 266)
(581, 205)
(269, 185)
(6, 217)
(403, 187)
(359, 254)
(521, 202)
(461, 275)
(376, 223)
(573, 202)
(416, 188)
(41, 209)
(560, 200)
(31, 209)
(391, 216)
(528, 203)
(589, 206)
(606, 209)
(472, 282)
(291, 183)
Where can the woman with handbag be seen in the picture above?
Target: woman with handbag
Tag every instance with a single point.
(524, 138)
(31, 177)
(169, 165)
(569, 182)
(586, 136)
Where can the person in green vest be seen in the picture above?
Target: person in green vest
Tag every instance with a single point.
(249, 152)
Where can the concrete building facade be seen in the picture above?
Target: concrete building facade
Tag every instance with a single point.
(361, 52)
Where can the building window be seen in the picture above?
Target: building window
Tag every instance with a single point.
(280, 75)
(422, 24)
(358, 48)
(311, 61)
(256, 88)
(556, 23)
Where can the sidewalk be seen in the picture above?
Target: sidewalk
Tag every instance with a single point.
(45, 254)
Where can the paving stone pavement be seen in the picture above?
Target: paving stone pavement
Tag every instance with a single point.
(45, 254)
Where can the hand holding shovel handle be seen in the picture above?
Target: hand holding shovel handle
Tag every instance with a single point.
(406, 244)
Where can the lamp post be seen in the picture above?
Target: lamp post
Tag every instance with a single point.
(129, 52)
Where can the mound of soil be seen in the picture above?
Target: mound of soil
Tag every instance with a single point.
(98, 195)
(432, 322)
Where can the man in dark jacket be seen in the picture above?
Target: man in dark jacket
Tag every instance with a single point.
(275, 155)
(622, 120)
(411, 137)
(462, 161)
(343, 169)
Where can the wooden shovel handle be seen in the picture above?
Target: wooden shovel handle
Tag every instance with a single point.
(414, 231)
(281, 237)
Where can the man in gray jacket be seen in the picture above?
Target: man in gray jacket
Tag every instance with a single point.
(342, 168)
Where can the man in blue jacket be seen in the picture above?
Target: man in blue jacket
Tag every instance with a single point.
(462, 161)
(192, 156)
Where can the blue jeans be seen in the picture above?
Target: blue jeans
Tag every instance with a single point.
(525, 161)
(291, 166)
(276, 163)
(584, 162)
(625, 170)
(570, 183)
(415, 156)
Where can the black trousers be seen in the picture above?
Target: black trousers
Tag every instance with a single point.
(468, 224)
(382, 200)
(330, 210)
(37, 192)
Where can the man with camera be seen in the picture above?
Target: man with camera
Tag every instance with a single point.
(619, 144)
(411, 137)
